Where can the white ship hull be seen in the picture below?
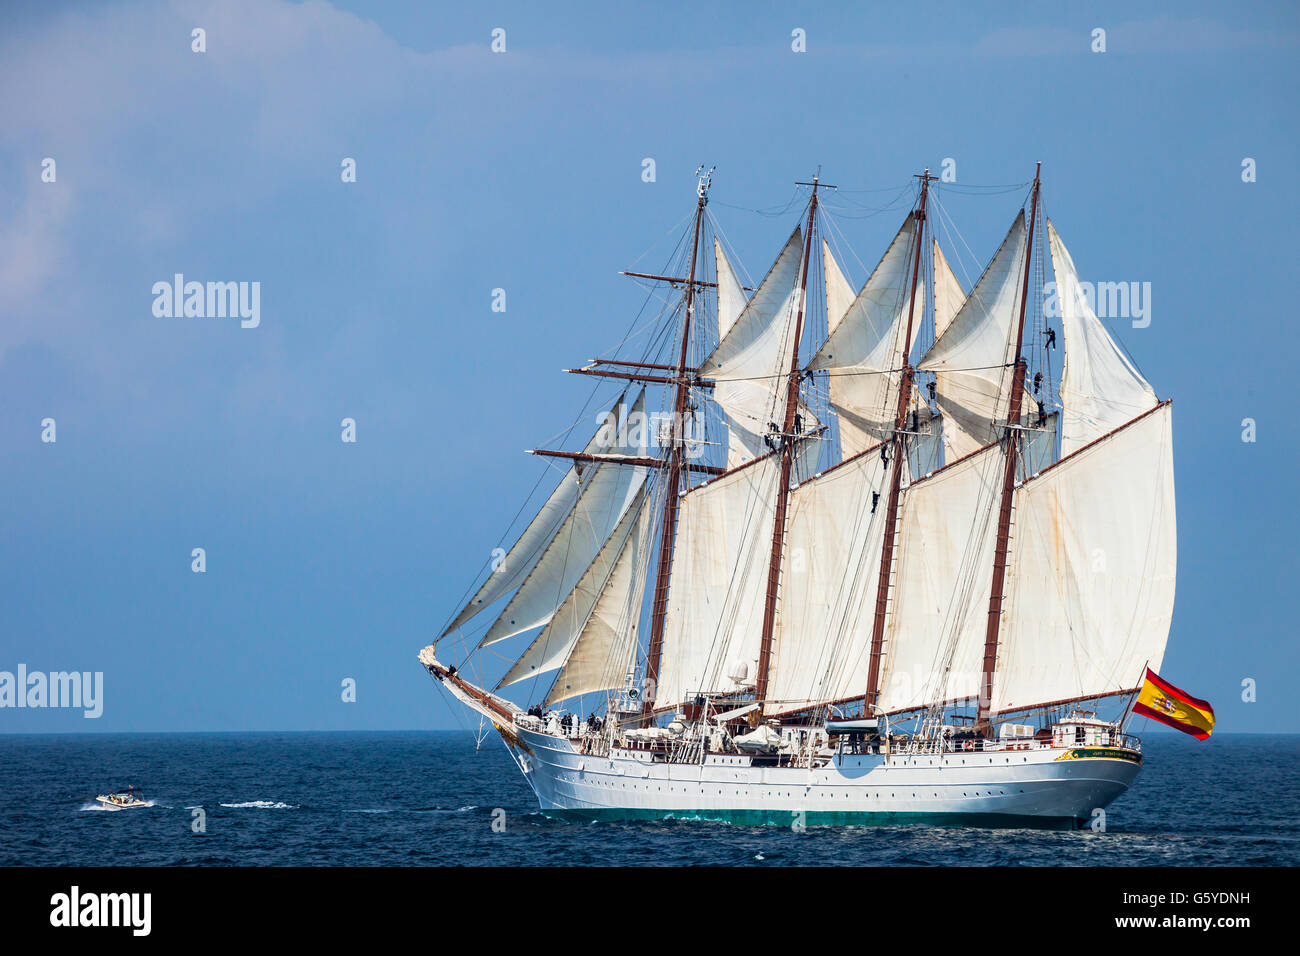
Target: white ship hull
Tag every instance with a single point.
(1048, 784)
(1046, 787)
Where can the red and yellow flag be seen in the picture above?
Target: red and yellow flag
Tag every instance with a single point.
(1162, 701)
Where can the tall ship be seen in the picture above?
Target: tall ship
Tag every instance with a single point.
(833, 557)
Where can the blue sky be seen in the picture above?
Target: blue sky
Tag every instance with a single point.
(523, 171)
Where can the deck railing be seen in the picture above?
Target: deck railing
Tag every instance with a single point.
(688, 749)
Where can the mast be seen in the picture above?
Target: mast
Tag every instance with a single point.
(1008, 481)
(668, 530)
(787, 460)
(898, 446)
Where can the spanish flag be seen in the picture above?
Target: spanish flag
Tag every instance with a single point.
(1162, 701)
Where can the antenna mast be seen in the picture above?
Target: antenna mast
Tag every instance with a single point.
(676, 456)
(898, 444)
(1008, 481)
(787, 460)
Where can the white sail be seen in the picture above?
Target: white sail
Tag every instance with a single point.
(974, 357)
(1100, 388)
(714, 620)
(830, 567)
(600, 658)
(731, 294)
(607, 491)
(855, 434)
(865, 353)
(942, 577)
(1038, 450)
(751, 365)
(523, 556)
(948, 294)
(839, 293)
(1093, 568)
(925, 448)
(552, 647)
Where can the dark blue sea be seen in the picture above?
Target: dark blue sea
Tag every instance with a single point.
(367, 799)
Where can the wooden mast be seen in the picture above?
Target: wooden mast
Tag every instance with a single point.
(898, 444)
(1008, 481)
(668, 529)
(787, 460)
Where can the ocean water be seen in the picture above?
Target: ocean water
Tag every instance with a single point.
(418, 798)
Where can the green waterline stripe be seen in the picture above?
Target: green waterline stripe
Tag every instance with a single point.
(787, 818)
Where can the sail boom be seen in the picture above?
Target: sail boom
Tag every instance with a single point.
(647, 379)
(675, 280)
(634, 460)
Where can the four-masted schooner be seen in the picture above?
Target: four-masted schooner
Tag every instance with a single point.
(904, 587)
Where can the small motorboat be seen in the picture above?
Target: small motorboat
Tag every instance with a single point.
(123, 800)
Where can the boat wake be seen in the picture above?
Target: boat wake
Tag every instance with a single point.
(261, 805)
(465, 809)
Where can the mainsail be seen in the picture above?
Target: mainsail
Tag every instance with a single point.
(715, 599)
(1094, 565)
(936, 629)
(833, 540)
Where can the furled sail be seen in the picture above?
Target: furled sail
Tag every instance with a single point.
(1093, 568)
(552, 647)
(1100, 388)
(750, 366)
(523, 556)
(866, 351)
(934, 642)
(731, 294)
(973, 358)
(608, 489)
(714, 619)
(834, 535)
